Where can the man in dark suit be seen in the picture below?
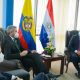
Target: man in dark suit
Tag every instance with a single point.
(13, 50)
(74, 48)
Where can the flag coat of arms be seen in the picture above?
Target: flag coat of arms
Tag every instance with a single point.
(26, 30)
(47, 30)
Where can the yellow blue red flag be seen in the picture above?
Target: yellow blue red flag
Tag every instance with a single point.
(26, 31)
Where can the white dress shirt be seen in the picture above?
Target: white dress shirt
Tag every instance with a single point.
(1, 57)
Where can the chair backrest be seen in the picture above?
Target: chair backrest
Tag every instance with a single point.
(69, 35)
(3, 36)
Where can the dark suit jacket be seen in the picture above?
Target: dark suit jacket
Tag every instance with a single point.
(74, 43)
(10, 49)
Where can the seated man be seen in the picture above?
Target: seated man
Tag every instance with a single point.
(74, 48)
(13, 50)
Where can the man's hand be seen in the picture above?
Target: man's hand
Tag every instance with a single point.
(15, 78)
(78, 52)
(24, 53)
(18, 78)
(33, 51)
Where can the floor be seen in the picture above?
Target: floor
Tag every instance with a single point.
(55, 68)
(70, 75)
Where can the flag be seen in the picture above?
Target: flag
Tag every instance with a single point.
(26, 30)
(47, 30)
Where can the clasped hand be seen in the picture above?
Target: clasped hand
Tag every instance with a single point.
(78, 52)
(33, 51)
(24, 53)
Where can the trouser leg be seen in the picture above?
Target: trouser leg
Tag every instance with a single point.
(28, 63)
(75, 60)
(76, 65)
(79, 66)
(38, 63)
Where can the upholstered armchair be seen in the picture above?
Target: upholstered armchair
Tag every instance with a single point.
(68, 37)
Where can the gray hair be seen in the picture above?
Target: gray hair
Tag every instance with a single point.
(10, 28)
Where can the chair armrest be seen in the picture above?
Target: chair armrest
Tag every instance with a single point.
(18, 63)
(8, 65)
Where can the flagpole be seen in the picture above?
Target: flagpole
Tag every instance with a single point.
(35, 12)
(76, 14)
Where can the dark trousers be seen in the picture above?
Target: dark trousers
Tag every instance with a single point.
(34, 61)
(5, 76)
(76, 60)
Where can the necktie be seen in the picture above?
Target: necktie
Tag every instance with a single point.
(16, 44)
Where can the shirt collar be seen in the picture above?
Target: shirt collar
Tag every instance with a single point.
(12, 38)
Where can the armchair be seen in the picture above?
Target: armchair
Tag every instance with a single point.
(14, 67)
(68, 37)
(8, 65)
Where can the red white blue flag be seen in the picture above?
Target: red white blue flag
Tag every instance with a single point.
(47, 30)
